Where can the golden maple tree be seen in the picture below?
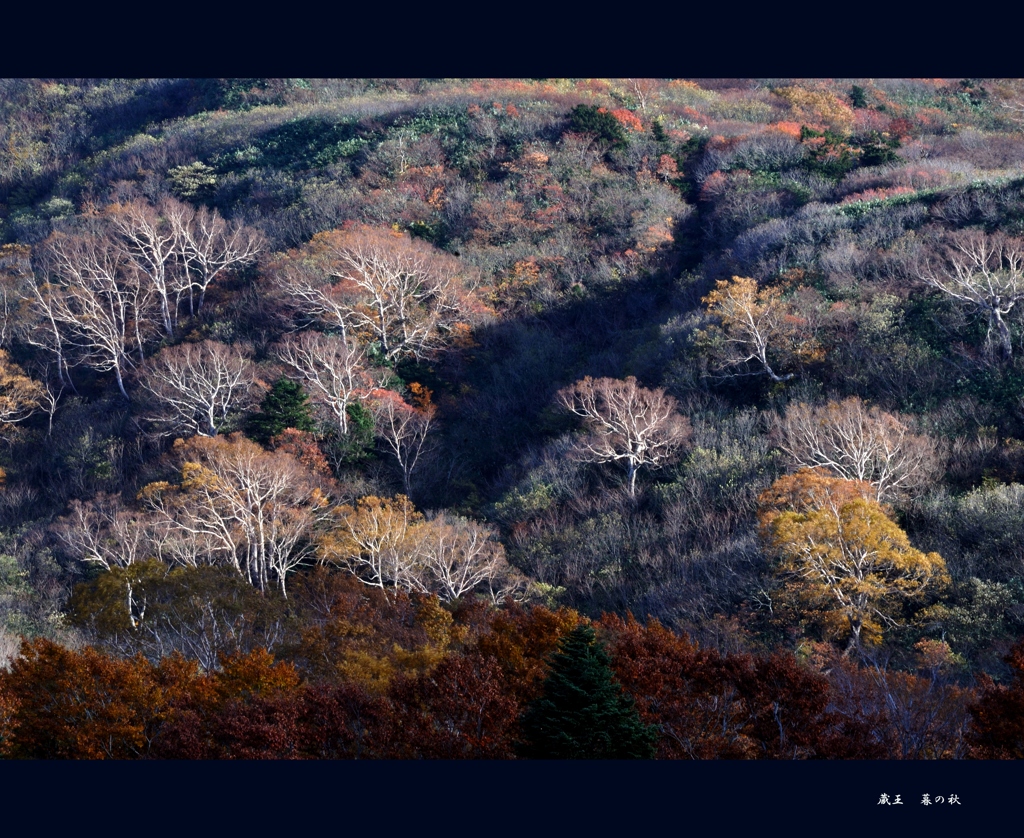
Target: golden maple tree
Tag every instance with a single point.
(844, 559)
(755, 331)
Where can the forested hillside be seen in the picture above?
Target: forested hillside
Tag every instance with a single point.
(378, 418)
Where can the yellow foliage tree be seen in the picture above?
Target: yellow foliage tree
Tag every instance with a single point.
(817, 106)
(755, 330)
(237, 504)
(844, 559)
(20, 396)
(389, 545)
(375, 540)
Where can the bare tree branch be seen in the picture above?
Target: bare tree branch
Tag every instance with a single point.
(855, 442)
(332, 369)
(196, 387)
(987, 273)
(404, 430)
(627, 423)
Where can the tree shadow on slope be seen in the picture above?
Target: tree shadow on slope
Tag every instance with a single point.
(499, 399)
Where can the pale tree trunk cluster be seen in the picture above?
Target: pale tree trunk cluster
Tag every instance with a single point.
(236, 505)
(385, 297)
(99, 307)
(104, 531)
(181, 250)
(389, 545)
(102, 293)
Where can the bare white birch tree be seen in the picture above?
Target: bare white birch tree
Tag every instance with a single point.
(104, 531)
(196, 388)
(209, 246)
(404, 430)
(151, 244)
(627, 423)
(46, 334)
(856, 442)
(100, 305)
(401, 295)
(986, 272)
(333, 370)
(460, 555)
(310, 290)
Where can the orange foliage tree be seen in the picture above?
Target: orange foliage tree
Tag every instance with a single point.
(712, 706)
(85, 705)
(997, 729)
(817, 106)
(240, 711)
(20, 396)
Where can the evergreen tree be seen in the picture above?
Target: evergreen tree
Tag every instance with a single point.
(583, 712)
(590, 119)
(285, 406)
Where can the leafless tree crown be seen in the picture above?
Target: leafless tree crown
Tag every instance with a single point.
(985, 272)
(627, 423)
(195, 388)
(856, 442)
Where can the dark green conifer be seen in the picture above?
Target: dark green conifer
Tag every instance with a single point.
(584, 712)
(285, 406)
(356, 446)
(590, 119)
